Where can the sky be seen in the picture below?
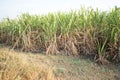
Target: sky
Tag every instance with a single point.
(13, 8)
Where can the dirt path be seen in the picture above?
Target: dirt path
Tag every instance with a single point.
(75, 68)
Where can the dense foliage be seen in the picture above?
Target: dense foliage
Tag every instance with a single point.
(87, 31)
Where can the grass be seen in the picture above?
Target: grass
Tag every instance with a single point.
(17, 66)
(28, 66)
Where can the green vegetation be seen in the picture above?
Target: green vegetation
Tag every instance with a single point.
(87, 31)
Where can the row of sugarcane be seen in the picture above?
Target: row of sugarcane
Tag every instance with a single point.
(86, 31)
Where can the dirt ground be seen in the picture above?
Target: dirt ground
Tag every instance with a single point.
(74, 68)
(77, 68)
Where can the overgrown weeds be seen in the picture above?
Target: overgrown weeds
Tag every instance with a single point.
(17, 67)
